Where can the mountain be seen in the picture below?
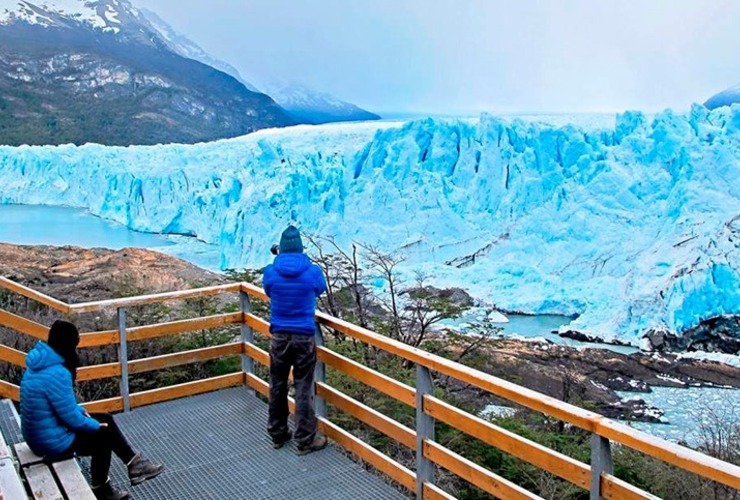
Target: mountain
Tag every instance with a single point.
(724, 98)
(633, 228)
(180, 44)
(310, 106)
(305, 105)
(76, 71)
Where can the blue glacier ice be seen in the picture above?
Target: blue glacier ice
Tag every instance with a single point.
(632, 227)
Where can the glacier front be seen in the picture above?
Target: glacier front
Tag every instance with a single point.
(632, 227)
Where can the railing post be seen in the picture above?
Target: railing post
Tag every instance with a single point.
(247, 334)
(319, 376)
(123, 358)
(424, 430)
(601, 462)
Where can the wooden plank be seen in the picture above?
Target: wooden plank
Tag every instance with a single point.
(182, 326)
(613, 488)
(13, 356)
(98, 339)
(34, 295)
(42, 484)
(110, 405)
(475, 474)
(183, 358)
(257, 324)
(11, 486)
(186, 389)
(369, 416)
(556, 463)
(154, 298)
(254, 291)
(9, 391)
(96, 372)
(23, 325)
(25, 456)
(72, 481)
(259, 355)
(369, 377)
(368, 454)
(432, 492)
(672, 453)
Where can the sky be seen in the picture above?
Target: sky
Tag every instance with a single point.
(470, 56)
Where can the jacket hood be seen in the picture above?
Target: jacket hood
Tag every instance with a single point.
(291, 265)
(42, 356)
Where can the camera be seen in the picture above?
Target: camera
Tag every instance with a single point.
(275, 249)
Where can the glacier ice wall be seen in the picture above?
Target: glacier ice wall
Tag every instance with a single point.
(632, 227)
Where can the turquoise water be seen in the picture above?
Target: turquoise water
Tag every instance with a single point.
(59, 226)
(41, 225)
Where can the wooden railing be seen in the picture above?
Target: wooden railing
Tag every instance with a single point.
(597, 478)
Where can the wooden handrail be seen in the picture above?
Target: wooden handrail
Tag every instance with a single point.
(34, 295)
(565, 467)
(154, 298)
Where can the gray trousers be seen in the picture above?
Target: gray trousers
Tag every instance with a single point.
(299, 352)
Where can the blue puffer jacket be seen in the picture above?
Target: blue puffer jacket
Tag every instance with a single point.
(50, 415)
(293, 283)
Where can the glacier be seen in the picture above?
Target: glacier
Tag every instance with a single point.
(631, 227)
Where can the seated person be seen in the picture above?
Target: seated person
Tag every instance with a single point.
(55, 426)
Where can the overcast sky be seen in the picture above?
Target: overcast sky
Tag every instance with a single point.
(467, 56)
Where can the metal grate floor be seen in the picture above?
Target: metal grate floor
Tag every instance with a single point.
(215, 446)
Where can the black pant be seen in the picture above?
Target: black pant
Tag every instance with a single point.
(99, 445)
(299, 352)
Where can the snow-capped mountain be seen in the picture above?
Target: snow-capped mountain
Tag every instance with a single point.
(98, 71)
(634, 228)
(311, 106)
(724, 98)
(305, 105)
(180, 44)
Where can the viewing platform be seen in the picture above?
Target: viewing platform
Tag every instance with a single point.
(210, 432)
(216, 446)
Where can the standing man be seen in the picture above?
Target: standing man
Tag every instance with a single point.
(293, 283)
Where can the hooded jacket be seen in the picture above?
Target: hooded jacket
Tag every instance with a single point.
(293, 283)
(50, 415)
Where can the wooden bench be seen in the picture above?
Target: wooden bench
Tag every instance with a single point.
(11, 485)
(56, 481)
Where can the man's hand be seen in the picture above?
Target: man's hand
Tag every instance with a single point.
(103, 424)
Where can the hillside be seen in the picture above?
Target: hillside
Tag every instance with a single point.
(102, 74)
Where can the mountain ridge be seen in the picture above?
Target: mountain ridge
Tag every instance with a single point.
(102, 74)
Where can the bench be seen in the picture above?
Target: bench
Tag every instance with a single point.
(57, 480)
(11, 485)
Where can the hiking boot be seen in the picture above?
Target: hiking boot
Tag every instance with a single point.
(107, 492)
(319, 443)
(140, 469)
(280, 441)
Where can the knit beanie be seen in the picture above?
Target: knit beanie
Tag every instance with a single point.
(290, 241)
(63, 338)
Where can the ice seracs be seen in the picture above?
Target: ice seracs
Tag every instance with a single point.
(633, 228)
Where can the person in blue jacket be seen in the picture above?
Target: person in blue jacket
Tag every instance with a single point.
(55, 426)
(293, 283)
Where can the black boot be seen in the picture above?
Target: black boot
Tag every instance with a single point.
(140, 469)
(107, 492)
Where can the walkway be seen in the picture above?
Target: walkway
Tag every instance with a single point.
(215, 447)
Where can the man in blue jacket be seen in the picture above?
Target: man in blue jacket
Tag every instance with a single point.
(293, 283)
